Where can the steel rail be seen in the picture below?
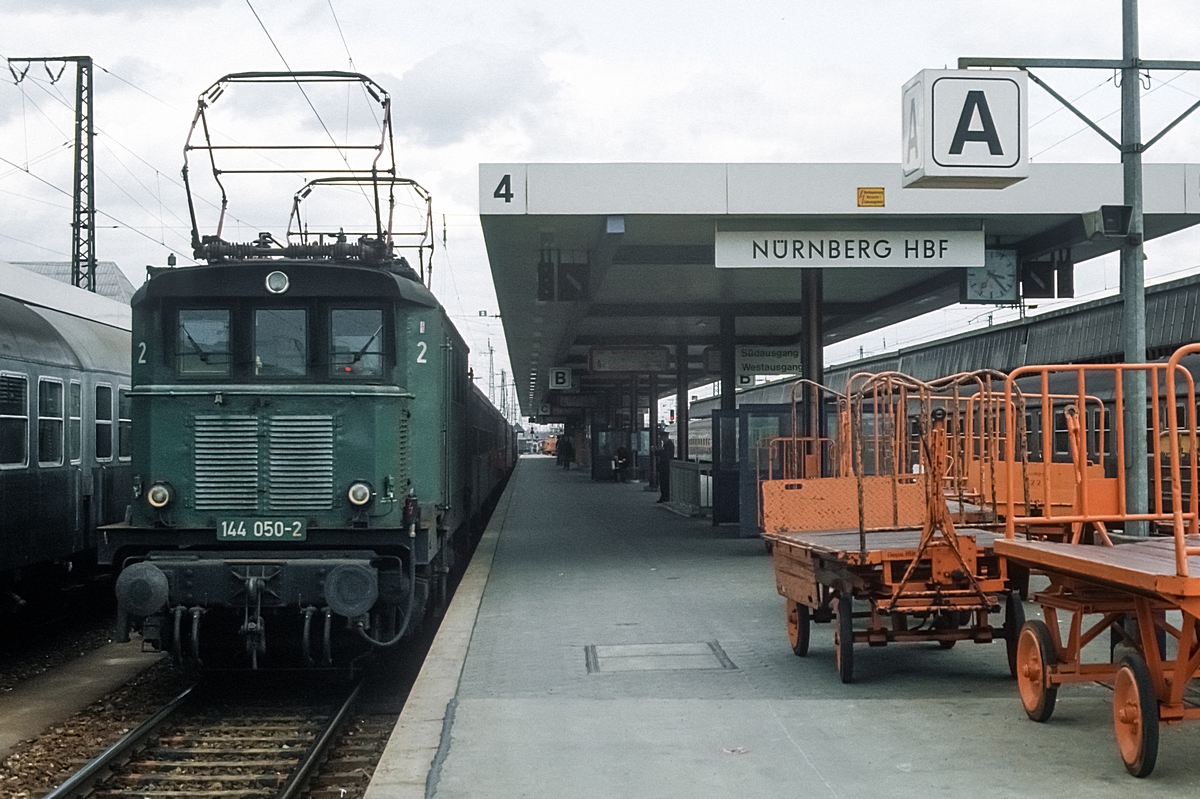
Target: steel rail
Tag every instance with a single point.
(79, 781)
(298, 780)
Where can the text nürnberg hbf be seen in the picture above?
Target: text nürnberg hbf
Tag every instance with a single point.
(846, 249)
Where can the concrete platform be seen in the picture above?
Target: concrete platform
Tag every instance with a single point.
(601, 646)
(54, 696)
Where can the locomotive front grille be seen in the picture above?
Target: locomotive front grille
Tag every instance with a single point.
(226, 463)
(300, 463)
(297, 469)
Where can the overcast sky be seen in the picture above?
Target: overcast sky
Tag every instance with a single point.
(493, 81)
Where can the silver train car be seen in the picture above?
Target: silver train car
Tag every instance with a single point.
(64, 429)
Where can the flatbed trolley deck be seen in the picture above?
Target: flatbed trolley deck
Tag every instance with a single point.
(879, 530)
(821, 574)
(1132, 586)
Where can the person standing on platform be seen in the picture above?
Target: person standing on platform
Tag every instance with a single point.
(566, 452)
(621, 461)
(666, 451)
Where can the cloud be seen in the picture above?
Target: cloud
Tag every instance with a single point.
(461, 89)
(132, 8)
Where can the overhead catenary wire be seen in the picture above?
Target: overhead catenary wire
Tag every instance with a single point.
(56, 95)
(121, 223)
(308, 100)
(1161, 85)
(38, 246)
(350, 58)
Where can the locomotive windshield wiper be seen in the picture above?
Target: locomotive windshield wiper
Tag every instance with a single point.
(358, 355)
(199, 350)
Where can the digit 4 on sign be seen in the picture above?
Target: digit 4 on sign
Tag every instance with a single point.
(504, 189)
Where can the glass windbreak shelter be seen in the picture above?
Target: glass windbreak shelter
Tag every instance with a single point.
(758, 426)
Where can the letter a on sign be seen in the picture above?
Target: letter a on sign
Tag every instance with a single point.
(965, 129)
(976, 105)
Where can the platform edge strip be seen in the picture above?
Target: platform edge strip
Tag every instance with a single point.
(420, 734)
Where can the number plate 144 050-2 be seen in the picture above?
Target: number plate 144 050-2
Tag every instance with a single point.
(261, 530)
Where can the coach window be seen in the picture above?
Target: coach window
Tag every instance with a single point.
(357, 338)
(1061, 443)
(280, 342)
(202, 347)
(104, 417)
(14, 420)
(50, 422)
(124, 424)
(75, 425)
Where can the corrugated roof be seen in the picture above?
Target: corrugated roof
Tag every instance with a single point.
(1085, 333)
(110, 280)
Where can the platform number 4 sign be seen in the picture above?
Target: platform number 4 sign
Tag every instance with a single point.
(502, 188)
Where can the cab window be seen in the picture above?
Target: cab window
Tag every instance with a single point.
(357, 338)
(280, 342)
(202, 347)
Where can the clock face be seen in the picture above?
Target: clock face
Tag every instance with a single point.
(995, 281)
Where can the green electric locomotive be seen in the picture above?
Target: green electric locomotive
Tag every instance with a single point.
(309, 451)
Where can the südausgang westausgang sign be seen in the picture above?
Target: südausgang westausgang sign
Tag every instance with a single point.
(740, 249)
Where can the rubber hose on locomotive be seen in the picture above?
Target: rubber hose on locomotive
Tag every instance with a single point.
(412, 595)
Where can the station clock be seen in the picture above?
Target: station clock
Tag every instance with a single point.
(994, 282)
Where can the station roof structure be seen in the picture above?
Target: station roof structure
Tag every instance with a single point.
(646, 234)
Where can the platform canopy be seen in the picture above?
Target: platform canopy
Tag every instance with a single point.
(596, 258)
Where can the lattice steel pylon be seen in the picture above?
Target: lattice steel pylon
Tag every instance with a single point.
(83, 221)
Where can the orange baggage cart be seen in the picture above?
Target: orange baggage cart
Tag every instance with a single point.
(1131, 587)
(890, 532)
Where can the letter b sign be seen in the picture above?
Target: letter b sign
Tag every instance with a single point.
(560, 378)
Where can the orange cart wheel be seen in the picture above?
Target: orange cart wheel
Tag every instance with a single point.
(1014, 620)
(844, 643)
(1035, 655)
(1135, 715)
(798, 623)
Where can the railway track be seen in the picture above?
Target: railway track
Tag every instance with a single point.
(280, 743)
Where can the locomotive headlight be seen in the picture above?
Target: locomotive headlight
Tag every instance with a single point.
(160, 495)
(360, 493)
(277, 282)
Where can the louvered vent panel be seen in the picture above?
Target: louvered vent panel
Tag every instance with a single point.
(404, 467)
(300, 463)
(226, 461)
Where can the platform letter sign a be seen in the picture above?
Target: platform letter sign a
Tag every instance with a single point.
(560, 378)
(965, 129)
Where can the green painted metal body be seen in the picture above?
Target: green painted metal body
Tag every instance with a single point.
(406, 429)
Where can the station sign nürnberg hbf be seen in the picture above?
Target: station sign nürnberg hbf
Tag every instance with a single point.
(858, 248)
(965, 129)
